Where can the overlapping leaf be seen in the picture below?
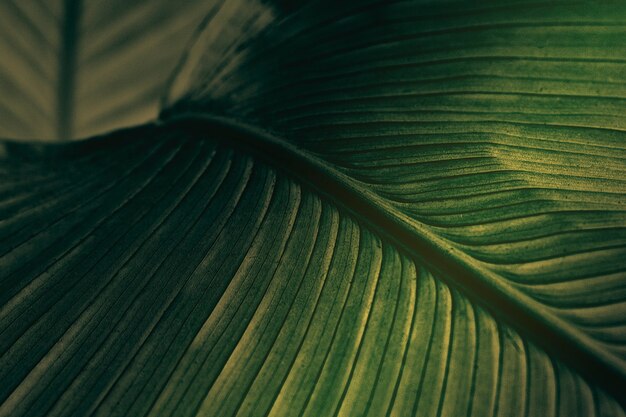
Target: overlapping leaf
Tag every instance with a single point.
(435, 226)
(74, 68)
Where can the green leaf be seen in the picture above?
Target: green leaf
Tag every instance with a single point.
(74, 68)
(382, 208)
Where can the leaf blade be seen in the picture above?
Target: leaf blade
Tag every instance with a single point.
(255, 298)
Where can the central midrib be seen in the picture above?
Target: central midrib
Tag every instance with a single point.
(67, 69)
(456, 268)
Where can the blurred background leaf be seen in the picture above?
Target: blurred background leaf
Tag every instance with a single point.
(73, 68)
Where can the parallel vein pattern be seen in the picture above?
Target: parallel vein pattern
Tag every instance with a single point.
(195, 280)
(160, 271)
(499, 127)
(30, 45)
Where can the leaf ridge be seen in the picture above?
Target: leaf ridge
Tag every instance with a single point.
(454, 267)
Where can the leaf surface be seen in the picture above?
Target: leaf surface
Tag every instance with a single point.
(382, 208)
(474, 127)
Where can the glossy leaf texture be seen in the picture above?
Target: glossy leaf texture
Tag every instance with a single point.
(493, 130)
(376, 208)
(75, 68)
(196, 280)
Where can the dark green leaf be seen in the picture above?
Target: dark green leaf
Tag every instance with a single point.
(377, 209)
